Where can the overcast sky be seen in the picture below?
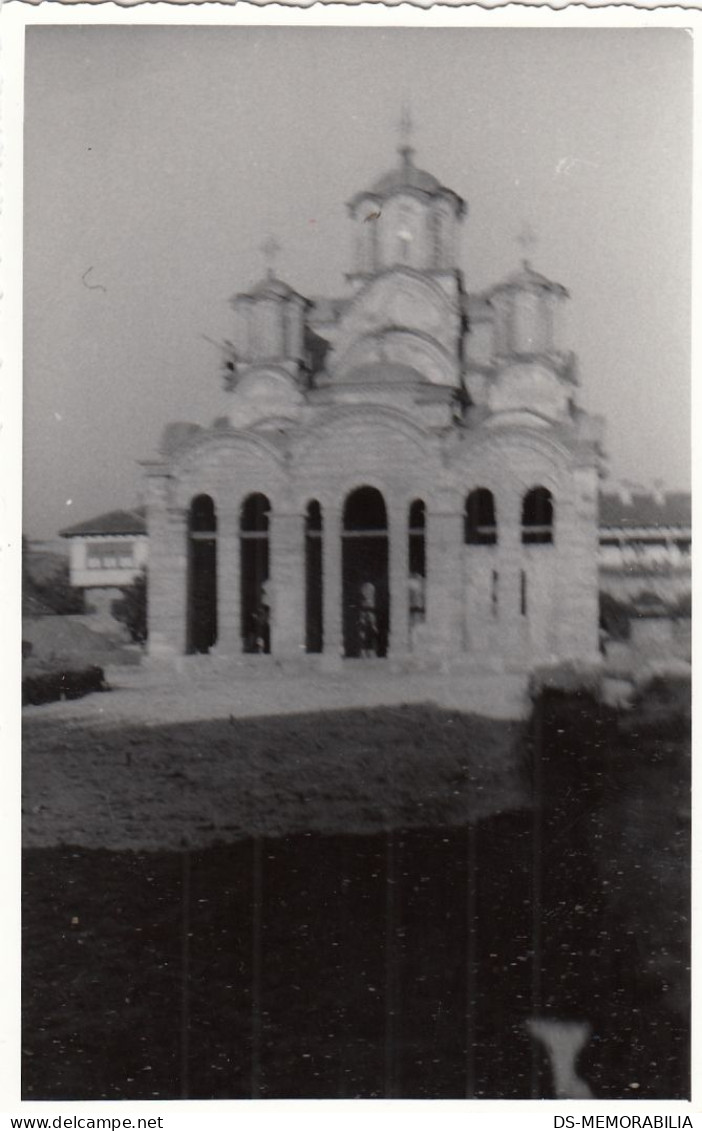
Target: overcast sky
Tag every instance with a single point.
(158, 159)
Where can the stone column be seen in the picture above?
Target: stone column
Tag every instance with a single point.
(287, 583)
(228, 585)
(168, 572)
(398, 576)
(333, 644)
(445, 598)
(576, 543)
(513, 626)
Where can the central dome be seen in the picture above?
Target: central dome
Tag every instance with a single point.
(406, 176)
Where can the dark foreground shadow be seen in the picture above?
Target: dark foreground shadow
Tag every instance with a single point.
(402, 964)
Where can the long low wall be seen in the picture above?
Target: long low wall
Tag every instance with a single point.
(626, 585)
(654, 640)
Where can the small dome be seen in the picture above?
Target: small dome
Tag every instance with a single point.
(270, 287)
(526, 279)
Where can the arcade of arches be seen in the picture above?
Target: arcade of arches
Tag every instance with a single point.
(402, 472)
(366, 598)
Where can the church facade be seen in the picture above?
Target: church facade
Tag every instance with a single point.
(403, 473)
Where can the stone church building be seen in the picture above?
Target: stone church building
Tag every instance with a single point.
(403, 473)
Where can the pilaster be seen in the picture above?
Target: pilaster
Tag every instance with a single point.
(444, 589)
(168, 570)
(228, 585)
(287, 578)
(331, 587)
(513, 626)
(398, 644)
(577, 541)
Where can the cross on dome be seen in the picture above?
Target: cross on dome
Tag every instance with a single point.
(405, 129)
(271, 249)
(527, 240)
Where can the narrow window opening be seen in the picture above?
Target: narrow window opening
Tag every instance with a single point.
(523, 593)
(417, 568)
(255, 587)
(480, 526)
(537, 517)
(494, 593)
(314, 634)
(202, 575)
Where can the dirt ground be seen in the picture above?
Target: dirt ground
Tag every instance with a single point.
(353, 771)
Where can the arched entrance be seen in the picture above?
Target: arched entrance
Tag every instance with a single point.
(314, 623)
(365, 574)
(202, 574)
(255, 595)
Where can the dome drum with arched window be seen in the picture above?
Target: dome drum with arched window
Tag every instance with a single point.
(408, 218)
(270, 322)
(526, 309)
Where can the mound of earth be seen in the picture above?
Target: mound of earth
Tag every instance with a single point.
(65, 641)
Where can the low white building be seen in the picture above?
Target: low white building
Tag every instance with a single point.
(645, 542)
(107, 553)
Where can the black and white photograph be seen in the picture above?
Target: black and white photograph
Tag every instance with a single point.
(356, 560)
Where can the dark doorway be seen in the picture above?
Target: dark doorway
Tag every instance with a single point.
(255, 595)
(314, 615)
(365, 574)
(202, 575)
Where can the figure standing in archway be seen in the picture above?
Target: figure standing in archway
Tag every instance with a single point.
(367, 620)
(417, 604)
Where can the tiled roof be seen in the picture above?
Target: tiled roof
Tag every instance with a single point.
(645, 509)
(114, 522)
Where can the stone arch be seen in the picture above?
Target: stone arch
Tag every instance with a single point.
(342, 420)
(422, 282)
(398, 298)
(263, 393)
(229, 467)
(486, 448)
(403, 347)
(210, 446)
